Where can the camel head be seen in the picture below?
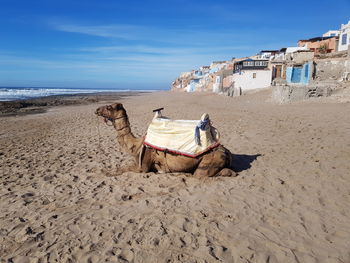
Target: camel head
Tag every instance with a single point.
(111, 112)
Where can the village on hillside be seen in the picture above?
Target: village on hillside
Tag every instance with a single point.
(314, 68)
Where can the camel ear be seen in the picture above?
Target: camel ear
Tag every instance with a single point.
(117, 106)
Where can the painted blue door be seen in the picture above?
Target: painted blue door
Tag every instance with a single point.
(296, 75)
(305, 74)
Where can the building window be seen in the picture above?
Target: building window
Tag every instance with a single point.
(254, 75)
(343, 39)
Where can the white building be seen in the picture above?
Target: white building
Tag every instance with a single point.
(267, 54)
(216, 66)
(344, 37)
(294, 49)
(249, 79)
(331, 33)
(217, 84)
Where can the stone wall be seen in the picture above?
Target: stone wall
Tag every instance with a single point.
(299, 57)
(338, 54)
(331, 69)
(285, 94)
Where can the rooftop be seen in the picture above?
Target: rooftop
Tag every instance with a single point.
(317, 38)
(269, 51)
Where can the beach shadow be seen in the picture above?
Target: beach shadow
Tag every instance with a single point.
(242, 162)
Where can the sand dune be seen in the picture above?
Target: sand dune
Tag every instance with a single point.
(63, 198)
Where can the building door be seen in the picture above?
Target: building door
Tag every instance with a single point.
(296, 74)
(278, 71)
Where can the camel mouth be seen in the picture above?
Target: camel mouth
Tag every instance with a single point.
(99, 111)
(99, 114)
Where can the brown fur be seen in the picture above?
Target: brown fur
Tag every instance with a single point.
(216, 162)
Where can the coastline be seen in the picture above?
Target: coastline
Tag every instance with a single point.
(42, 104)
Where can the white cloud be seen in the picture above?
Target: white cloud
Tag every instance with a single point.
(147, 53)
(114, 31)
(183, 36)
(157, 50)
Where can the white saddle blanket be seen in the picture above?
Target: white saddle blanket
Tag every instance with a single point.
(178, 136)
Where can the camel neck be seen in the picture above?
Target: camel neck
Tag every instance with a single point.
(122, 126)
(125, 137)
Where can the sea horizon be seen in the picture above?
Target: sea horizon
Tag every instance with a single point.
(23, 93)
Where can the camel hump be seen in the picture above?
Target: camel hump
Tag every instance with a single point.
(187, 137)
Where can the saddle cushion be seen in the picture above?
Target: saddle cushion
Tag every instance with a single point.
(178, 136)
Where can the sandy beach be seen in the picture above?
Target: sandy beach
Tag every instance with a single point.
(64, 199)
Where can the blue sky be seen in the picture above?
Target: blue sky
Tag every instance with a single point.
(146, 44)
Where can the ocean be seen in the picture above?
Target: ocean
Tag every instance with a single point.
(21, 93)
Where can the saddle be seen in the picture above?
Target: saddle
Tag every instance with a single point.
(185, 137)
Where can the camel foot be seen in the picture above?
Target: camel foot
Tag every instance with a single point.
(227, 173)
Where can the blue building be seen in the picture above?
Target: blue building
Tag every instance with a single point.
(299, 74)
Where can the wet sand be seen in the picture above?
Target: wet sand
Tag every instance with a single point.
(41, 105)
(63, 198)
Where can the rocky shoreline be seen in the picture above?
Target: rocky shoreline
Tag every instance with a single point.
(42, 104)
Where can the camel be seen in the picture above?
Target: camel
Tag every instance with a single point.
(215, 162)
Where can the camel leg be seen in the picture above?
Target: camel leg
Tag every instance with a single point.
(211, 164)
(146, 163)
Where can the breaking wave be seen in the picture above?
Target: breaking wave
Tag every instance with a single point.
(19, 93)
